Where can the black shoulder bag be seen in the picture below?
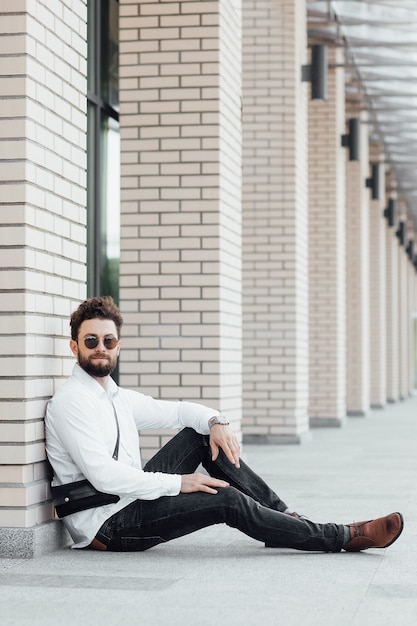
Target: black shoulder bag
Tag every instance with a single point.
(81, 495)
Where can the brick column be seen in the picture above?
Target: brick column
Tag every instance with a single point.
(327, 246)
(411, 284)
(180, 271)
(392, 315)
(413, 342)
(42, 235)
(275, 238)
(404, 313)
(357, 272)
(377, 291)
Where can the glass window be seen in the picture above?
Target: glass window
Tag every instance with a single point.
(103, 149)
(110, 205)
(110, 53)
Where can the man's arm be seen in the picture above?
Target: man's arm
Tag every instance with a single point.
(80, 440)
(152, 413)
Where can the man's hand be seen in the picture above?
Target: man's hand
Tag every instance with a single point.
(200, 482)
(223, 437)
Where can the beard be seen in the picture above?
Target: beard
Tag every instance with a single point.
(98, 370)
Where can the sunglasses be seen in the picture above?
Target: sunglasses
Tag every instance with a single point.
(91, 342)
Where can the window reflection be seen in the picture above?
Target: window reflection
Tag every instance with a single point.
(110, 53)
(110, 205)
(103, 146)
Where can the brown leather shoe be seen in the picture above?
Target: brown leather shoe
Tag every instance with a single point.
(378, 533)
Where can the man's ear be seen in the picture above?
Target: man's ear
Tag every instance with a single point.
(74, 347)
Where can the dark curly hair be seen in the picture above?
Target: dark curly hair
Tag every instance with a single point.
(102, 307)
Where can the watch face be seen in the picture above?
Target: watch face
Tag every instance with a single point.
(218, 419)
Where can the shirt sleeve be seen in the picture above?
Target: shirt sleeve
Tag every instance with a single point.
(149, 412)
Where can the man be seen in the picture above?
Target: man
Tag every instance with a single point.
(167, 498)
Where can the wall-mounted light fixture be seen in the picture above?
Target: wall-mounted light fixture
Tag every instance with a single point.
(316, 73)
(374, 181)
(391, 212)
(352, 139)
(402, 233)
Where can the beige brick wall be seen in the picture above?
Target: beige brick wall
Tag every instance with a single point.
(357, 277)
(327, 251)
(392, 314)
(42, 232)
(181, 207)
(412, 314)
(411, 289)
(404, 315)
(410, 285)
(377, 291)
(275, 239)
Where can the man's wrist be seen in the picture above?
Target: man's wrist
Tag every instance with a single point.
(218, 419)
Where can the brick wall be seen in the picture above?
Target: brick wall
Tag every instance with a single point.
(275, 242)
(411, 323)
(411, 289)
(377, 291)
(42, 232)
(327, 251)
(404, 314)
(392, 315)
(181, 209)
(357, 276)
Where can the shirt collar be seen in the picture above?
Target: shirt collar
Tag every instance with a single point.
(93, 385)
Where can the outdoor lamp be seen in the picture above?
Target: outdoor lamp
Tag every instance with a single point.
(373, 181)
(316, 72)
(352, 139)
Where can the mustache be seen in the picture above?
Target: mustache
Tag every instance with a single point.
(100, 355)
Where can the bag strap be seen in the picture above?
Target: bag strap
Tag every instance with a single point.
(116, 447)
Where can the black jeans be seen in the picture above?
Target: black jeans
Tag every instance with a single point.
(248, 505)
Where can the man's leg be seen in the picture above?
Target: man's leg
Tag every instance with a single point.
(184, 453)
(248, 505)
(145, 523)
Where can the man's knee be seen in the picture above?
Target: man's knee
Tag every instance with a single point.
(230, 496)
(188, 434)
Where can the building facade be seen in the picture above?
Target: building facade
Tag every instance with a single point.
(169, 153)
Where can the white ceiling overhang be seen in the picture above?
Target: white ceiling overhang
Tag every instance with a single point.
(380, 40)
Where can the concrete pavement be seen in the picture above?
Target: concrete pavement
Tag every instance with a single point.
(219, 577)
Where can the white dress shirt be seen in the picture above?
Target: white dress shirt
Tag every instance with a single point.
(81, 434)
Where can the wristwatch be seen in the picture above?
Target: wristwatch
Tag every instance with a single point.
(218, 419)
